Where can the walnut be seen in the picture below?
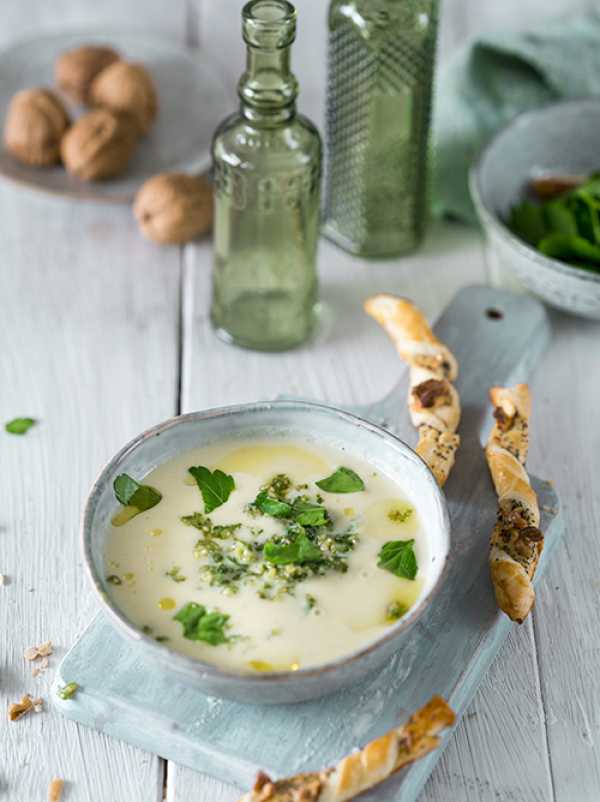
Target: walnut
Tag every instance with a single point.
(35, 123)
(99, 145)
(76, 69)
(125, 87)
(174, 208)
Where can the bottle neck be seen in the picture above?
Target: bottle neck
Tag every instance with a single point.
(268, 88)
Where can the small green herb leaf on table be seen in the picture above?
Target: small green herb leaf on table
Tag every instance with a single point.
(215, 486)
(398, 557)
(19, 425)
(344, 480)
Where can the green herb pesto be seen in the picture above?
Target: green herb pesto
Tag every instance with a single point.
(175, 574)
(399, 516)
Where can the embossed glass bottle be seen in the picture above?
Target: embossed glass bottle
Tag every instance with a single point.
(381, 58)
(267, 170)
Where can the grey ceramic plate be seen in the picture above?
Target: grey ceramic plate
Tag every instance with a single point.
(561, 138)
(192, 100)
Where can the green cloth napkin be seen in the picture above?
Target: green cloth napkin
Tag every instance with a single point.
(486, 84)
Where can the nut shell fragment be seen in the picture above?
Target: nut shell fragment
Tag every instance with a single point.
(75, 69)
(35, 124)
(99, 145)
(174, 208)
(127, 88)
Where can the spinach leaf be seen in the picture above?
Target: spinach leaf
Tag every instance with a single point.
(215, 486)
(398, 556)
(344, 480)
(299, 551)
(527, 221)
(19, 425)
(567, 248)
(200, 625)
(130, 493)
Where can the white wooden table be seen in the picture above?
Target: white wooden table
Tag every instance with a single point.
(103, 334)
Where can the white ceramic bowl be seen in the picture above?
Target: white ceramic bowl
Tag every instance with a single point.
(560, 138)
(312, 423)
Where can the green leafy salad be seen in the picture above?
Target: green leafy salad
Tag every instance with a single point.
(562, 222)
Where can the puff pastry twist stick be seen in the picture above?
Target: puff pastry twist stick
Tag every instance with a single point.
(516, 543)
(433, 402)
(362, 769)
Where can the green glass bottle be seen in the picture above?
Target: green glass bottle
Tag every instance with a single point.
(267, 173)
(380, 74)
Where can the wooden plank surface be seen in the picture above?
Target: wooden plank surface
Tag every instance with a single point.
(88, 343)
(47, 252)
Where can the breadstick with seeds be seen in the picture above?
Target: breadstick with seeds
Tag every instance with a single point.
(516, 544)
(433, 402)
(365, 768)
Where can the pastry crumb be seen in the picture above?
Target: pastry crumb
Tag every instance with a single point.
(41, 668)
(55, 790)
(19, 709)
(3, 579)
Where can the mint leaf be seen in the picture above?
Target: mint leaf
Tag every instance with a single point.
(272, 506)
(344, 480)
(398, 556)
(130, 493)
(301, 511)
(301, 550)
(307, 514)
(19, 425)
(215, 486)
(200, 625)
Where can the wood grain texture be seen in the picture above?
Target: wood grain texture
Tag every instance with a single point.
(567, 439)
(88, 345)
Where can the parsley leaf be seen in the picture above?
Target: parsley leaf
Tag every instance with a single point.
(19, 425)
(130, 493)
(200, 625)
(398, 556)
(344, 480)
(215, 486)
(299, 551)
(272, 506)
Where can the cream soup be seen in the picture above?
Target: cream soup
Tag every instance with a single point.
(247, 563)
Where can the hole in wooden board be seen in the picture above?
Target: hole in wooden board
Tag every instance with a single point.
(494, 314)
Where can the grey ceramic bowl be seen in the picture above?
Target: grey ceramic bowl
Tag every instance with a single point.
(560, 138)
(311, 423)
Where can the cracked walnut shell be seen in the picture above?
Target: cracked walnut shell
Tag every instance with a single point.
(35, 124)
(127, 88)
(174, 208)
(99, 145)
(75, 69)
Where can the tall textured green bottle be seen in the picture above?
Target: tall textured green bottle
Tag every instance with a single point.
(381, 59)
(267, 170)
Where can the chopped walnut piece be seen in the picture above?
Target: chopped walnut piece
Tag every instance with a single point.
(429, 391)
(55, 790)
(35, 652)
(39, 669)
(26, 705)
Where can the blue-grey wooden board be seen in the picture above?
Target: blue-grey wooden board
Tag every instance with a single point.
(449, 650)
